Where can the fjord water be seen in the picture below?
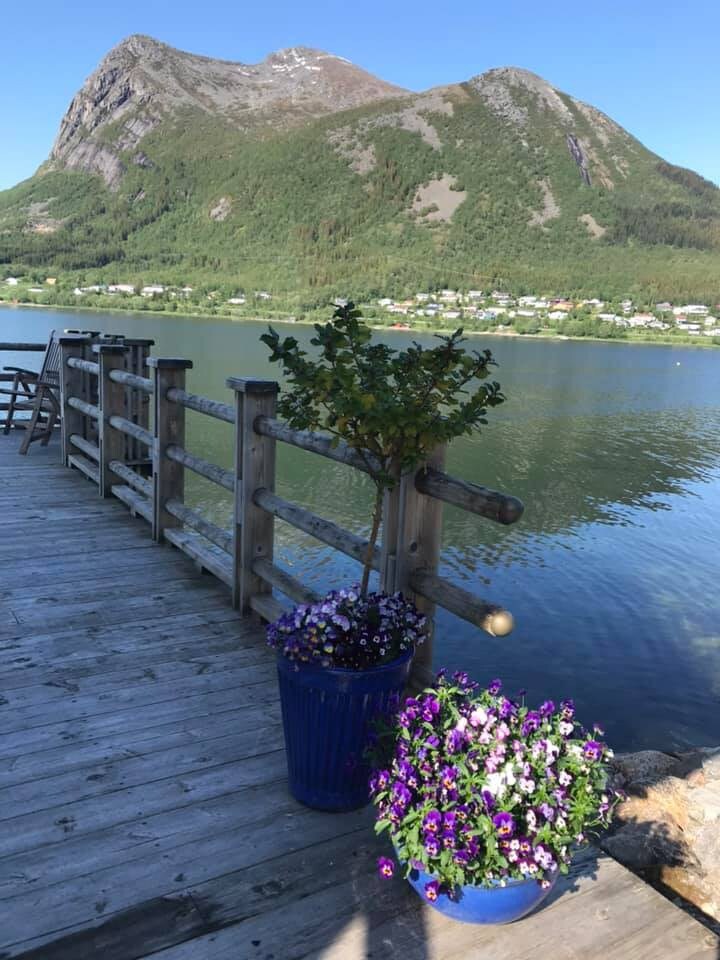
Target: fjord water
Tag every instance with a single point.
(613, 573)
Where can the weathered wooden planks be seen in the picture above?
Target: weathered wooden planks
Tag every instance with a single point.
(143, 803)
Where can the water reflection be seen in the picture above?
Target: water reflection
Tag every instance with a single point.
(612, 573)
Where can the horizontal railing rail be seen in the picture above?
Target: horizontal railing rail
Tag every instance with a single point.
(91, 450)
(8, 347)
(319, 443)
(191, 518)
(324, 530)
(285, 582)
(213, 408)
(131, 380)
(482, 501)
(89, 366)
(87, 409)
(131, 429)
(469, 496)
(132, 478)
(203, 468)
(489, 617)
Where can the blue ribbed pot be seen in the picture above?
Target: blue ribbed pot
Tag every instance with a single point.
(494, 904)
(327, 715)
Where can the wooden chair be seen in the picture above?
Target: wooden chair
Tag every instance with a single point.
(38, 393)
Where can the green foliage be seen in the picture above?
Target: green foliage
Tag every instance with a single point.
(689, 179)
(394, 407)
(306, 226)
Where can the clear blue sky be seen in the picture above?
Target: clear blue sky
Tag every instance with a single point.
(652, 65)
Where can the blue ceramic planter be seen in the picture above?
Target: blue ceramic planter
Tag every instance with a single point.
(327, 716)
(486, 904)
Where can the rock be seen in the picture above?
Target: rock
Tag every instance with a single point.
(701, 891)
(221, 209)
(699, 765)
(669, 826)
(645, 844)
(645, 765)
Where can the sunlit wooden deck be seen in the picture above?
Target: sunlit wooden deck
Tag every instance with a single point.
(143, 802)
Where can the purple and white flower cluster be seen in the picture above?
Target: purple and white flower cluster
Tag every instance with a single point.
(480, 790)
(349, 630)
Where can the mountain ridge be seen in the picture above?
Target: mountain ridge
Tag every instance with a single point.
(182, 165)
(142, 79)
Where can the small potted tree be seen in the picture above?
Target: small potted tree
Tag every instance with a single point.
(485, 799)
(346, 659)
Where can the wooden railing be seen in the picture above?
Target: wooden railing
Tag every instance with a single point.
(242, 556)
(89, 387)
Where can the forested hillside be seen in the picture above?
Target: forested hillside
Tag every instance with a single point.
(499, 180)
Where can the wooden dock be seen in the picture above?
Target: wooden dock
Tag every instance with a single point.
(143, 798)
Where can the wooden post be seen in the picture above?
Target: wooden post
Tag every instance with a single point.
(72, 384)
(111, 401)
(137, 402)
(412, 534)
(253, 527)
(169, 428)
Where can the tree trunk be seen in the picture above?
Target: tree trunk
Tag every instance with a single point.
(377, 516)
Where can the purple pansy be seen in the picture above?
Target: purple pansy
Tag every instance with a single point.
(593, 750)
(488, 799)
(430, 708)
(432, 844)
(386, 867)
(531, 723)
(432, 890)
(504, 824)
(432, 821)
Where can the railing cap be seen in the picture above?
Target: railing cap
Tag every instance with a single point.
(70, 338)
(109, 348)
(250, 385)
(169, 363)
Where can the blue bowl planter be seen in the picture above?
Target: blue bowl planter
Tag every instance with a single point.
(486, 905)
(327, 714)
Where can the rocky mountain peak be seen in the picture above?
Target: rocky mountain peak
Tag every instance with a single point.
(141, 81)
(138, 44)
(500, 87)
(506, 89)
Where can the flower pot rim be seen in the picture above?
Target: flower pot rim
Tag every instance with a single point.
(492, 885)
(343, 671)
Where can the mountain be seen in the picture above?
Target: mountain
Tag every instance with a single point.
(142, 82)
(307, 175)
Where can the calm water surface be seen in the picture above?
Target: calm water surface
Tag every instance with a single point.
(613, 573)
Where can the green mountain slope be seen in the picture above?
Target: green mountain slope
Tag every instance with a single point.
(169, 168)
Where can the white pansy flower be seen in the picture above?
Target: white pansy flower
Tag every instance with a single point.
(478, 717)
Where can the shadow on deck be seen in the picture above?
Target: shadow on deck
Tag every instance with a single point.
(143, 798)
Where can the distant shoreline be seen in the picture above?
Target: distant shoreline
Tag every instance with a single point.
(699, 342)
